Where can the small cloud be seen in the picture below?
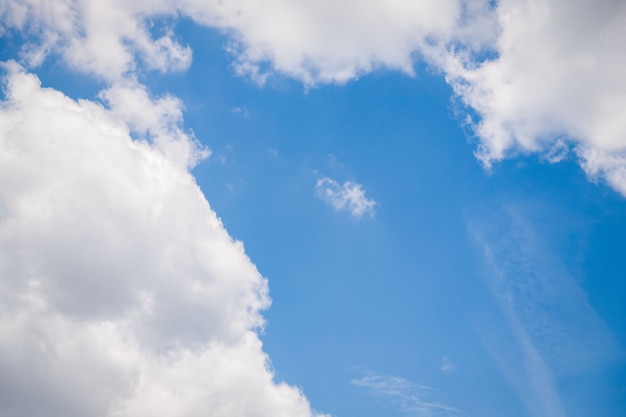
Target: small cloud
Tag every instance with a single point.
(418, 400)
(333, 162)
(348, 197)
(240, 110)
(273, 152)
(557, 153)
(447, 366)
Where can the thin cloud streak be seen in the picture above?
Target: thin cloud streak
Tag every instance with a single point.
(554, 328)
(447, 366)
(413, 399)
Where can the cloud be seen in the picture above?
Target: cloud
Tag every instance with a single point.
(534, 76)
(348, 197)
(607, 165)
(557, 76)
(447, 366)
(417, 400)
(327, 41)
(241, 111)
(555, 330)
(122, 293)
(313, 41)
(529, 74)
(107, 39)
(158, 120)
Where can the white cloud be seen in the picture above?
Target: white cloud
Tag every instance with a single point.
(558, 74)
(157, 120)
(418, 400)
(557, 152)
(102, 38)
(348, 197)
(122, 294)
(328, 41)
(607, 165)
(447, 366)
(313, 41)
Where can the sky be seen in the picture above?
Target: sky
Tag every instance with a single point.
(312, 208)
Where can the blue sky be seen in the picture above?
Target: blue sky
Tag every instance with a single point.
(438, 218)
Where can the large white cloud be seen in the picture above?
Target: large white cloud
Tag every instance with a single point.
(121, 292)
(314, 41)
(558, 78)
(329, 41)
(556, 75)
(115, 296)
(554, 79)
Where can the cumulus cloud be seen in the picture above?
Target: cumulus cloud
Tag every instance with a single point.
(122, 294)
(534, 75)
(531, 73)
(607, 165)
(96, 37)
(348, 197)
(107, 271)
(313, 41)
(328, 41)
(558, 73)
(418, 400)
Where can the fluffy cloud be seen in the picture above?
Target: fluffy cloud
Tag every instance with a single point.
(121, 293)
(557, 78)
(551, 74)
(313, 41)
(539, 76)
(101, 38)
(328, 41)
(348, 197)
(117, 297)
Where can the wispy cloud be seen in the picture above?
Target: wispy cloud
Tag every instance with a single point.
(241, 111)
(447, 366)
(348, 196)
(413, 399)
(554, 328)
